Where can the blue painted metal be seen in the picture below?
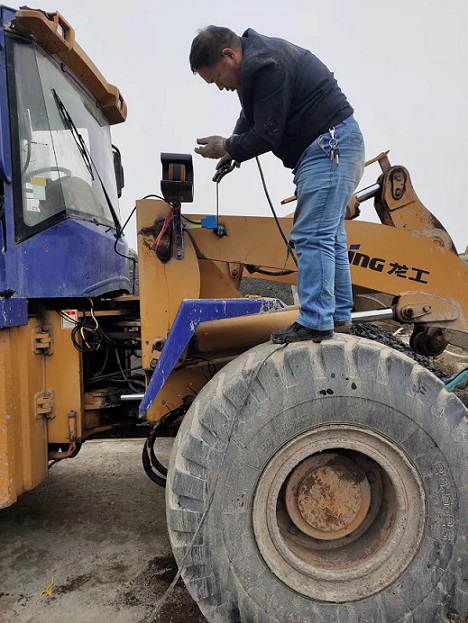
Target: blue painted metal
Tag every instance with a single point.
(7, 262)
(13, 312)
(191, 313)
(73, 258)
(70, 259)
(6, 15)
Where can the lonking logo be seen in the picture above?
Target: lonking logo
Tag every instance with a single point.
(383, 265)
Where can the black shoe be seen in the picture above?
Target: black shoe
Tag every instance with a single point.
(343, 326)
(297, 333)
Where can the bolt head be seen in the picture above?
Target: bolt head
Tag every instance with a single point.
(159, 344)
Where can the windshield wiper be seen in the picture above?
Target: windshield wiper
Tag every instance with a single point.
(87, 159)
(74, 132)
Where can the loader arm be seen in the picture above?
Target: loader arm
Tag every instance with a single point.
(383, 259)
(409, 257)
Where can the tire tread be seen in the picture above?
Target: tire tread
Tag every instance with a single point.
(202, 446)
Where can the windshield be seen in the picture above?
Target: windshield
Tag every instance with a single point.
(58, 176)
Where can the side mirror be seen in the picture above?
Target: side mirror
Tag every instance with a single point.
(119, 172)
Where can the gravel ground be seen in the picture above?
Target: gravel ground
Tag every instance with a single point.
(98, 526)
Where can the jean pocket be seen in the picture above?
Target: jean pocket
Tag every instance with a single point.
(323, 143)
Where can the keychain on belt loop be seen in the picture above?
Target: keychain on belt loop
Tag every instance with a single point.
(333, 144)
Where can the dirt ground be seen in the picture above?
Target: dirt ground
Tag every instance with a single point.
(97, 526)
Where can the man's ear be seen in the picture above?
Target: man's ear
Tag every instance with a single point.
(233, 56)
(229, 53)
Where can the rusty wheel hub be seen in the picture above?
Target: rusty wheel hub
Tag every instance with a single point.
(337, 509)
(327, 496)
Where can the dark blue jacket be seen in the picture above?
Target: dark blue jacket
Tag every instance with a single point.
(288, 99)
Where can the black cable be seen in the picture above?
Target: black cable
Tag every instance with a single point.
(86, 335)
(263, 271)
(156, 431)
(190, 220)
(286, 241)
(119, 236)
(94, 336)
(91, 344)
(153, 195)
(150, 471)
(152, 466)
(95, 379)
(106, 359)
(121, 230)
(126, 378)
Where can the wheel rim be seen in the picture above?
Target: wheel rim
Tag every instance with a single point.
(327, 496)
(339, 513)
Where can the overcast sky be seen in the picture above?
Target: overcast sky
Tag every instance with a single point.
(403, 65)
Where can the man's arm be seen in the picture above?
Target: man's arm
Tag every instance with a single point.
(272, 95)
(242, 125)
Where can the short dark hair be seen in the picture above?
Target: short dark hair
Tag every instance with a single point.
(208, 46)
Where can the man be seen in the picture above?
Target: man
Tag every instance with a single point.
(293, 106)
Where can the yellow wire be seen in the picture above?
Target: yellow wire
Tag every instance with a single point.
(92, 313)
(48, 591)
(90, 329)
(83, 329)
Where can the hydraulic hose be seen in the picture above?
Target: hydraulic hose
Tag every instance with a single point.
(155, 470)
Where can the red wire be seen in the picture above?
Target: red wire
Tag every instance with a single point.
(167, 222)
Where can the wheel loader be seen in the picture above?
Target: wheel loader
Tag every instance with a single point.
(308, 483)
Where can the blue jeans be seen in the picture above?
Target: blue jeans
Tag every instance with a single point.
(323, 191)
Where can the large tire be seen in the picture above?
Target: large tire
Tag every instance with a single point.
(400, 441)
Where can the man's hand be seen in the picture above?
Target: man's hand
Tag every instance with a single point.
(214, 147)
(224, 160)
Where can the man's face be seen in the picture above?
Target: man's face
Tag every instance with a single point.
(226, 73)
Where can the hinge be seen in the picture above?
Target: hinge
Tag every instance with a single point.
(42, 342)
(44, 402)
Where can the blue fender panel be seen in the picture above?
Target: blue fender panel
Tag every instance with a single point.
(191, 313)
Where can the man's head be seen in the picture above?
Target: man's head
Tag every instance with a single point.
(216, 56)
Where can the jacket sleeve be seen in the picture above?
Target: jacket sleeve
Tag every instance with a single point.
(272, 89)
(242, 125)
